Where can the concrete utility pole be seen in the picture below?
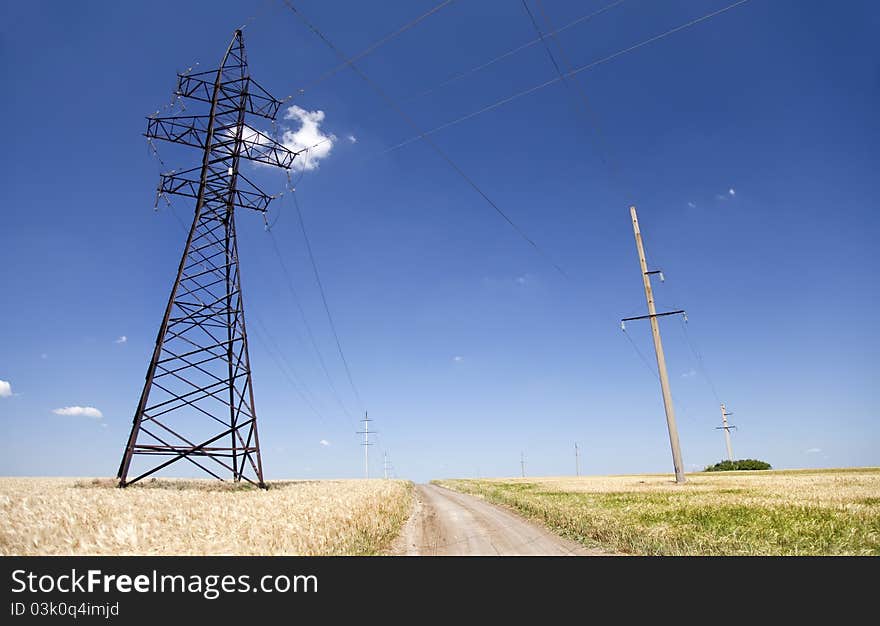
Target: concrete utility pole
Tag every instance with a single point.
(577, 460)
(726, 428)
(366, 444)
(385, 464)
(658, 349)
(522, 463)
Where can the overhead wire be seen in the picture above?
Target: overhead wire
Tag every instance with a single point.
(285, 368)
(311, 335)
(643, 358)
(324, 300)
(509, 53)
(567, 81)
(561, 76)
(370, 49)
(700, 362)
(394, 106)
(552, 81)
(603, 146)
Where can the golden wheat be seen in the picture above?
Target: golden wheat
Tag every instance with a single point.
(62, 516)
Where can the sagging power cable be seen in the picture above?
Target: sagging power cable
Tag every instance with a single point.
(394, 106)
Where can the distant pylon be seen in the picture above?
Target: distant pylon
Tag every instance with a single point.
(386, 465)
(726, 428)
(366, 443)
(522, 463)
(198, 389)
(577, 460)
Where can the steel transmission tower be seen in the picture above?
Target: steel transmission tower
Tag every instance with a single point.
(366, 432)
(198, 399)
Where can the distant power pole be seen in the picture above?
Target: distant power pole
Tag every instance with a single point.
(522, 463)
(726, 428)
(577, 460)
(658, 348)
(366, 443)
(386, 465)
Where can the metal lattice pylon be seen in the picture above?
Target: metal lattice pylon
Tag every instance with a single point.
(198, 399)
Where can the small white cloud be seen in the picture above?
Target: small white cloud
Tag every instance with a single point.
(5, 389)
(122, 339)
(324, 442)
(307, 137)
(731, 191)
(692, 205)
(352, 139)
(813, 450)
(458, 359)
(690, 373)
(85, 411)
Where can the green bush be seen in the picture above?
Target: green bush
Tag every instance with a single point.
(743, 464)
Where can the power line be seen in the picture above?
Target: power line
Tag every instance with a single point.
(641, 355)
(568, 83)
(302, 226)
(424, 134)
(700, 362)
(543, 41)
(501, 57)
(371, 48)
(311, 335)
(391, 103)
(285, 368)
(592, 118)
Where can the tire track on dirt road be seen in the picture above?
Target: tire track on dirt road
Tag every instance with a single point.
(448, 523)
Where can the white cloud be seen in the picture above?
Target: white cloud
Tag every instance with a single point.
(85, 411)
(458, 359)
(5, 389)
(308, 135)
(731, 191)
(692, 205)
(813, 450)
(352, 139)
(690, 373)
(324, 442)
(122, 339)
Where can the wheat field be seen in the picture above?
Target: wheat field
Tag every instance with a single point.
(797, 512)
(64, 516)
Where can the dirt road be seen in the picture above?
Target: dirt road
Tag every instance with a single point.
(453, 524)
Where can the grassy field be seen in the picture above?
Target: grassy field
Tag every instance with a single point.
(64, 516)
(805, 512)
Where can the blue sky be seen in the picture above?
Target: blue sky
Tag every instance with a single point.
(466, 345)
